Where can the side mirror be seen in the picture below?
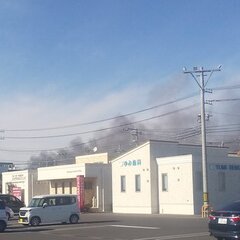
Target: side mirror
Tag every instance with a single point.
(45, 205)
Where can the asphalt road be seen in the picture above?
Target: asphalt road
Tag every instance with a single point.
(108, 226)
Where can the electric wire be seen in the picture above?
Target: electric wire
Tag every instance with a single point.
(101, 129)
(103, 120)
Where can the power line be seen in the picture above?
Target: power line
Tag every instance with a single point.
(102, 129)
(54, 149)
(229, 114)
(227, 87)
(223, 100)
(102, 120)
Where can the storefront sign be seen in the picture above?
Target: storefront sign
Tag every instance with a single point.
(80, 191)
(17, 177)
(225, 167)
(129, 163)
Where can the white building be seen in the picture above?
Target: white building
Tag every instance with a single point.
(97, 180)
(23, 184)
(165, 177)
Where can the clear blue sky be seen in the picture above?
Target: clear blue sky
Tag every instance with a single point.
(74, 44)
(57, 56)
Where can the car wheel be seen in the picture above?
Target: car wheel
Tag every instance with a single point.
(74, 219)
(2, 226)
(35, 221)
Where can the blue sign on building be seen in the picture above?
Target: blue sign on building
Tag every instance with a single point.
(225, 167)
(129, 163)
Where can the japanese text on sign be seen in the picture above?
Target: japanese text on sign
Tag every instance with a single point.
(129, 163)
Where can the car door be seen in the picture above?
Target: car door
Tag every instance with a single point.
(13, 204)
(48, 210)
(60, 209)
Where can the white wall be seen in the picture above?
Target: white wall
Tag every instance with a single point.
(158, 149)
(147, 201)
(61, 172)
(230, 167)
(68, 173)
(92, 158)
(186, 195)
(132, 201)
(103, 175)
(178, 199)
(27, 180)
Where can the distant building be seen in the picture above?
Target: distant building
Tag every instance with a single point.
(5, 167)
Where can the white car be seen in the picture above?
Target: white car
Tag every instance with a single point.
(9, 212)
(3, 217)
(50, 209)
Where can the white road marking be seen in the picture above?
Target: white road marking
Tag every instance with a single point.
(166, 237)
(74, 228)
(128, 226)
(183, 236)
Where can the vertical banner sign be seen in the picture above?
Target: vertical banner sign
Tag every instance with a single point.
(80, 191)
(17, 192)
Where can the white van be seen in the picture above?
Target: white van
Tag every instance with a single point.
(50, 209)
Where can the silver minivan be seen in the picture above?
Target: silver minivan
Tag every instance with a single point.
(50, 209)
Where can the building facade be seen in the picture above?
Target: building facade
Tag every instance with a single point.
(97, 175)
(23, 184)
(166, 177)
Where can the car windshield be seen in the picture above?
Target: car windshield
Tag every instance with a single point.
(36, 202)
(231, 207)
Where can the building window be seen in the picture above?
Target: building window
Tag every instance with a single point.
(123, 183)
(70, 187)
(63, 188)
(221, 181)
(137, 183)
(164, 182)
(56, 187)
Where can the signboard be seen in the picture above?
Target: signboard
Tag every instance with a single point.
(17, 192)
(225, 167)
(80, 191)
(17, 177)
(131, 163)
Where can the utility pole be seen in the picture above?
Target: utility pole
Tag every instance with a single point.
(135, 134)
(199, 75)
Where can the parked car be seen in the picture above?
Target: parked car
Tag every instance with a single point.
(9, 212)
(12, 202)
(3, 216)
(225, 222)
(50, 209)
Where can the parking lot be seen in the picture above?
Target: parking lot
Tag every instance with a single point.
(98, 226)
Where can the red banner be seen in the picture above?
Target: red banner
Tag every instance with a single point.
(80, 191)
(17, 192)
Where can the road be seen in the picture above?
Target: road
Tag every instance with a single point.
(108, 226)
